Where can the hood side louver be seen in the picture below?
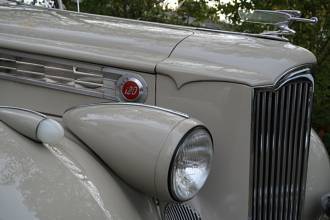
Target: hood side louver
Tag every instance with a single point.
(65, 75)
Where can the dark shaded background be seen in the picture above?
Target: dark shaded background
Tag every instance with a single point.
(199, 13)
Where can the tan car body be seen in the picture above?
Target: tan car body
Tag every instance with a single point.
(210, 76)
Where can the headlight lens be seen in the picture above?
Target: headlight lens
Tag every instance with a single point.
(191, 164)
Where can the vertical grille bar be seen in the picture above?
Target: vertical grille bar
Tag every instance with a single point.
(304, 110)
(280, 148)
(297, 149)
(306, 140)
(262, 157)
(256, 159)
(274, 157)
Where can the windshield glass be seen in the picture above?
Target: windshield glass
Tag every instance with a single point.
(212, 14)
(207, 14)
(41, 3)
(38, 3)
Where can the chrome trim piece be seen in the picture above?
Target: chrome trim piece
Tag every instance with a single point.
(133, 104)
(65, 75)
(178, 211)
(280, 143)
(263, 36)
(293, 73)
(24, 109)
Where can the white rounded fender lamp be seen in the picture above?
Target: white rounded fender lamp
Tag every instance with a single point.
(32, 124)
(49, 131)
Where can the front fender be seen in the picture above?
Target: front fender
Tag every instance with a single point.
(62, 181)
(318, 178)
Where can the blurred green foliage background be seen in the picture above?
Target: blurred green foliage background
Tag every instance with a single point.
(224, 15)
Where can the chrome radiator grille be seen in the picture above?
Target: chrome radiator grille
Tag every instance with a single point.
(280, 149)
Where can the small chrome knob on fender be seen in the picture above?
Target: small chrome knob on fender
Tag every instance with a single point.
(325, 202)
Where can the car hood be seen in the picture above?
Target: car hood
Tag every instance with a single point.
(185, 54)
(104, 40)
(236, 58)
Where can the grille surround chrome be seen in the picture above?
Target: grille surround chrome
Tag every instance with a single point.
(266, 202)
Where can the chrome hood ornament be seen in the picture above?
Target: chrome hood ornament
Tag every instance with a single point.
(281, 19)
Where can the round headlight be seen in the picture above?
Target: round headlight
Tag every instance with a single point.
(191, 164)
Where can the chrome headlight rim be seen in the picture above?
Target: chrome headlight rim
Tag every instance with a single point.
(173, 159)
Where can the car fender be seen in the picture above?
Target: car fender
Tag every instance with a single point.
(318, 178)
(62, 181)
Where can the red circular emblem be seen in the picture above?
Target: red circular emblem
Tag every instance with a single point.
(130, 90)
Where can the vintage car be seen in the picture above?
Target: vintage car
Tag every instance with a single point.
(109, 118)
